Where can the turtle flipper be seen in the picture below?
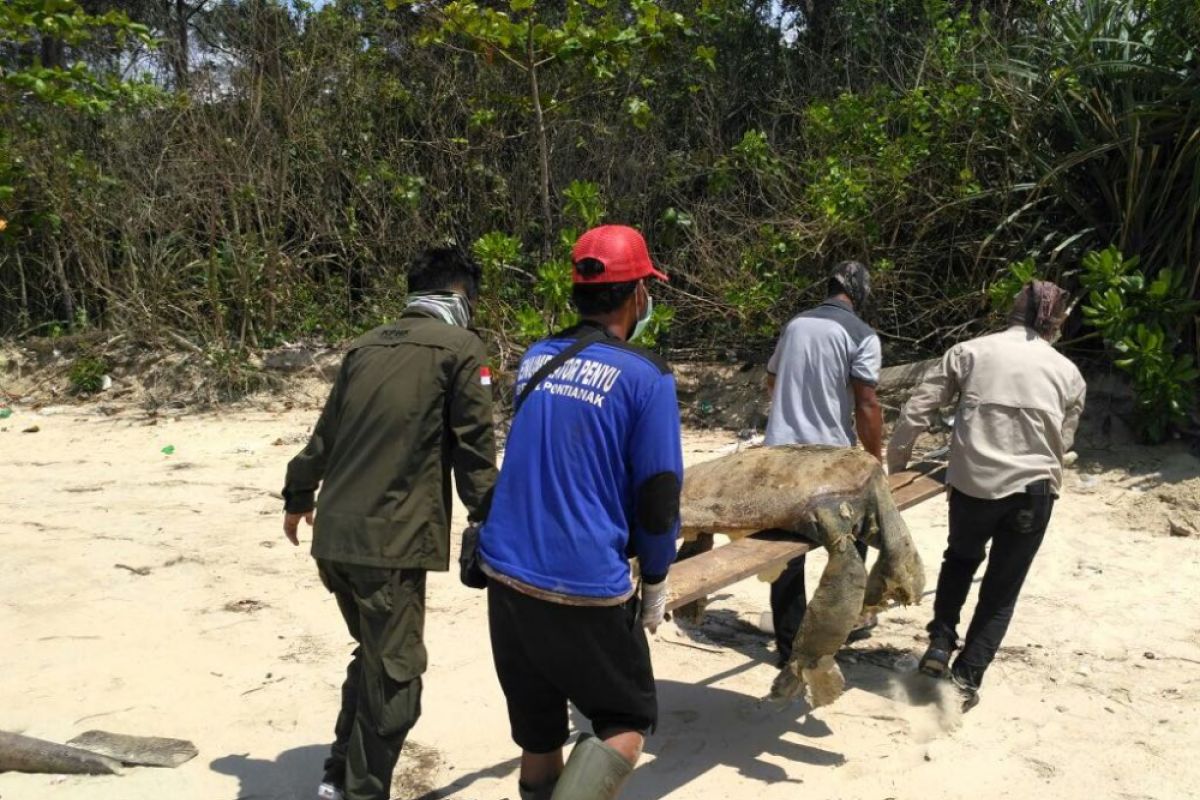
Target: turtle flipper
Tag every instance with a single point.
(825, 681)
(832, 613)
(789, 683)
(898, 575)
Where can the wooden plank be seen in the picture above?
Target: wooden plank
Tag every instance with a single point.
(701, 575)
(920, 490)
(723, 566)
(925, 469)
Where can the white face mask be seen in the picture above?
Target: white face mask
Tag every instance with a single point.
(644, 320)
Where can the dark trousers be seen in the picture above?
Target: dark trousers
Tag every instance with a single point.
(1015, 525)
(789, 601)
(548, 654)
(384, 610)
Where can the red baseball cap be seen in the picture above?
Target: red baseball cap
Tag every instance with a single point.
(621, 251)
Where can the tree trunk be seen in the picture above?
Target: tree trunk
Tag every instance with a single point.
(181, 58)
(68, 298)
(543, 147)
(816, 15)
(53, 53)
(25, 314)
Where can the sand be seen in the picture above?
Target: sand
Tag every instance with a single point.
(154, 594)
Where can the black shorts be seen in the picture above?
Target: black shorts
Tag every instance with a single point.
(547, 653)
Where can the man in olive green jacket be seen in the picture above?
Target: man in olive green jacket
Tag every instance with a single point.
(412, 401)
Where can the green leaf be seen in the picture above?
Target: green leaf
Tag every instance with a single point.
(707, 56)
(639, 112)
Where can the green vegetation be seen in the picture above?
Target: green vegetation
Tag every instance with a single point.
(1142, 319)
(87, 374)
(246, 172)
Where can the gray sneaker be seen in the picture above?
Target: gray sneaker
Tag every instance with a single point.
(327, 791)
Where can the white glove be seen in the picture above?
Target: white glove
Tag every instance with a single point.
(654, 604)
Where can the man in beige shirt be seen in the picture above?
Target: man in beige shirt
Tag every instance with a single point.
(1019, 403)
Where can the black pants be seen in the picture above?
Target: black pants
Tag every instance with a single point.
(789, 601)
(547, 654)
(1015, 525)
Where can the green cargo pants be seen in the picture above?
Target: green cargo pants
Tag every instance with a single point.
(384, 610)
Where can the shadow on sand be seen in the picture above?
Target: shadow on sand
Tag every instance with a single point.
(701, 727)
(295, 774)
(292, 775)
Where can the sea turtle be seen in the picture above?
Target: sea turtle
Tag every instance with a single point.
(829, 495)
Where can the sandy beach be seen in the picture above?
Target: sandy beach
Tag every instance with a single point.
(147, 589)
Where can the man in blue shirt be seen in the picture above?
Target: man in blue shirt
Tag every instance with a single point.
(591, 476)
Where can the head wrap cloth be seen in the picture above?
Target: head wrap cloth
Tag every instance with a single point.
(1040, 305)
(855, 280)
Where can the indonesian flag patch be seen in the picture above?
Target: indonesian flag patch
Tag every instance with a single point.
(485, 376)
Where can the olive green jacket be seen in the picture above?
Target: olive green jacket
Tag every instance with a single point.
(411, 402)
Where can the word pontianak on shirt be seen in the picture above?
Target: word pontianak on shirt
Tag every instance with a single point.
(582, 379)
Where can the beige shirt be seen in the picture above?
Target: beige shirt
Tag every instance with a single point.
(1019, 402)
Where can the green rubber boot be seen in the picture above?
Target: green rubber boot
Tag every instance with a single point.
(594, 771)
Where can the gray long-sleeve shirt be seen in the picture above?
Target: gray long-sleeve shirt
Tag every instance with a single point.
(1019, 403)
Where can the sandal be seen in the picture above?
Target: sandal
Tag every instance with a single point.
(936, 661)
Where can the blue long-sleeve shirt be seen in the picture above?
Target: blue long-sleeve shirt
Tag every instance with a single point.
(591, 474)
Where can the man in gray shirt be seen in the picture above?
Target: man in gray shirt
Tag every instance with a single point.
(822, 379)
(1019, 403)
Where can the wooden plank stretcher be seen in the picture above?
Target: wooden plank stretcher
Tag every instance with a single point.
(702, 574)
